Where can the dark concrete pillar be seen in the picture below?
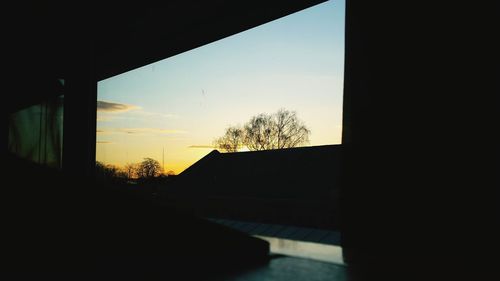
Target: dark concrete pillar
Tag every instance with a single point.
(80, 114)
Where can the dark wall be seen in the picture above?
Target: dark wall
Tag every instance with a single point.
(415, 182)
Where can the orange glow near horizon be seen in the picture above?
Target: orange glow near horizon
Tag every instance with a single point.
(176, 164)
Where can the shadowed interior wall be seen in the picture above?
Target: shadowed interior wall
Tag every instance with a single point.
(413, 176)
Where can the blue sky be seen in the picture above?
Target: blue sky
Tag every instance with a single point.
(187, 100)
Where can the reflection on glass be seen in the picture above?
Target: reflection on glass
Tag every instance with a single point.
(35, 133)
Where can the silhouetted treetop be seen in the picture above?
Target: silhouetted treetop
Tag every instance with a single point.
(149, 168)
(282, 129)
(232, 140)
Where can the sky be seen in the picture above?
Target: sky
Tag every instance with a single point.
(173, 109)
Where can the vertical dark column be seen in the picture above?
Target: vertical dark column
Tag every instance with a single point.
(413, 180)
(398, 159)
(80, 115)
(366, 137)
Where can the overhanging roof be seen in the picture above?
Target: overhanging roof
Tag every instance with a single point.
(55, 39)
(128, 34)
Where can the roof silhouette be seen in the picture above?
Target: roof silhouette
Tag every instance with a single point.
(293, 172)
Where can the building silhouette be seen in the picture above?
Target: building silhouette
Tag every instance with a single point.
(297, 186)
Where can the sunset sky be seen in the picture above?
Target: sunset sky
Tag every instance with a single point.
(181, 104)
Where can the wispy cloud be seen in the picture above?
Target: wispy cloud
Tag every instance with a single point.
(105, 106)
(150, 130)
(104, 142)
(201, 146)
(158, 131)
(107, 111)
(156, 114)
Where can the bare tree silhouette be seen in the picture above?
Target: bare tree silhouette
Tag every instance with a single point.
(282, 129)
(290, 131)
(108, 172)
(131, 169)
(231, 141)
(149, 168)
